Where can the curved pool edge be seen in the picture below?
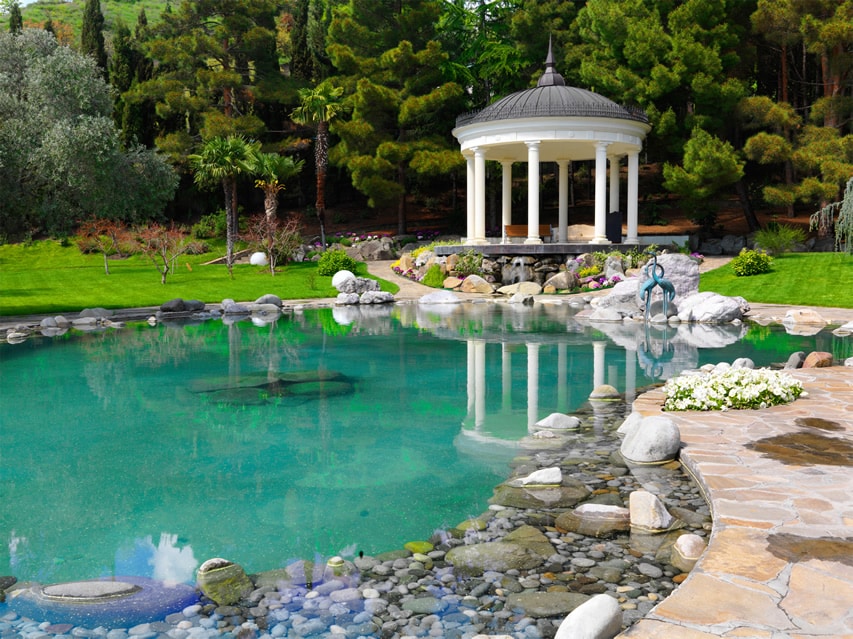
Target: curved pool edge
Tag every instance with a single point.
(780, 556)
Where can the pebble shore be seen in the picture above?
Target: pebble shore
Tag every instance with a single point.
(397, 595)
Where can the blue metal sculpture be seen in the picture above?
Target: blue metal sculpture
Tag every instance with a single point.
(657, 279)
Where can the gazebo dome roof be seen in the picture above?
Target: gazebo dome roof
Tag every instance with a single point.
(552, 98)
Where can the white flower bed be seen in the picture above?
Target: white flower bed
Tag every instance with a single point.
(732, 388)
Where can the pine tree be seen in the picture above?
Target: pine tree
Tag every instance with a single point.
(92, 36)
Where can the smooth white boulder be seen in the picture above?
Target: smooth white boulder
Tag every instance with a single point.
(598, 618)
(340, 277)
(654, 440)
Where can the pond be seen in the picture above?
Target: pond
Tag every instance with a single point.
(147, 450)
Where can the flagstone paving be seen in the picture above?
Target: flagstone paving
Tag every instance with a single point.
(780, 559)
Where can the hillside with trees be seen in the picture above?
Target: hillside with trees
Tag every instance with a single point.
(750, 101)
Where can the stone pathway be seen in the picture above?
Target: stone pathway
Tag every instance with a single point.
(780, 559)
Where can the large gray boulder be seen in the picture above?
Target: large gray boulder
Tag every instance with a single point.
(372, 250)
(357, 285)
(681, 270)
(567, 495)
(499, 556)
(712, 308)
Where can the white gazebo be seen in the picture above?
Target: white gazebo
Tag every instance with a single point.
(552, 122)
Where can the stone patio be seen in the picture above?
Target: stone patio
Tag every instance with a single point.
(780, 559)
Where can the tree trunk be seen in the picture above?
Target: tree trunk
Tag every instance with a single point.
(321, 160)
(106, 264)
(229, 185)
(751, 220)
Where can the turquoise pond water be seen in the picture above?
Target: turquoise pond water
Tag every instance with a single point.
(148, 450)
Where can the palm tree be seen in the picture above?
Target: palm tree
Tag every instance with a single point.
(221, 161)
(318, 107)
(271, 171)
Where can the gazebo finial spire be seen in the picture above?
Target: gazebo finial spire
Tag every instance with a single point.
(550, 78)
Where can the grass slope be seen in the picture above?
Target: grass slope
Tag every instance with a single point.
(71, 13)
(813, 279)
(46, 277)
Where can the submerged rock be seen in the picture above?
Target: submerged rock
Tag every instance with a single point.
(223, 581)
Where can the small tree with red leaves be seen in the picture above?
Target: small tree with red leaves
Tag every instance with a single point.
(110, 237)
(163, 245)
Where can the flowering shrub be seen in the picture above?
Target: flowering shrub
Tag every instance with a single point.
(751, 263)
(732, 388)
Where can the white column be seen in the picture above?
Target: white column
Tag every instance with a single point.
(598, 349)
(506, 377)
(562, 378)
(480, 400)
(532, 384)
(471, 386)
(533, 194)
(506, 197)
(563, 205)
(479, 196)
(469, 226)
(630, 375)
(613, 198)
(600, 233)
(633, 193)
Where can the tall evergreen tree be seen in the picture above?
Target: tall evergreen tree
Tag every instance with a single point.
(16, 20)
(300, 56)
(402, 109)
(92, 33)
(213, 55)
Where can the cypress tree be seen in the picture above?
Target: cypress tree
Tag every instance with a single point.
(300, 56)
(16, 21)
(92, 36)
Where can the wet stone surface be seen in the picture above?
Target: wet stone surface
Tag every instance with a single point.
(398, 595)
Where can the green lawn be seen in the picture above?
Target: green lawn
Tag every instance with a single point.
(46, 277)
(812, 279)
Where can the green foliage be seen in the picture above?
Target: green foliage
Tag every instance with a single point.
(433, 277)
(331, 262)
(431, 246)
(212, 225)
(751, 262)
(92, 33)
(778, 238)
(470, 262)
(709, 165)
(589, 271)
(843, 224)
(391, 61)
(61, 153)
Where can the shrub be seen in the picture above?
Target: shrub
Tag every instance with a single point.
(779, 238)
(589, 271)
(751, 262)
(210, 226)
(470, 263)
(433, 277)
(333, 261)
